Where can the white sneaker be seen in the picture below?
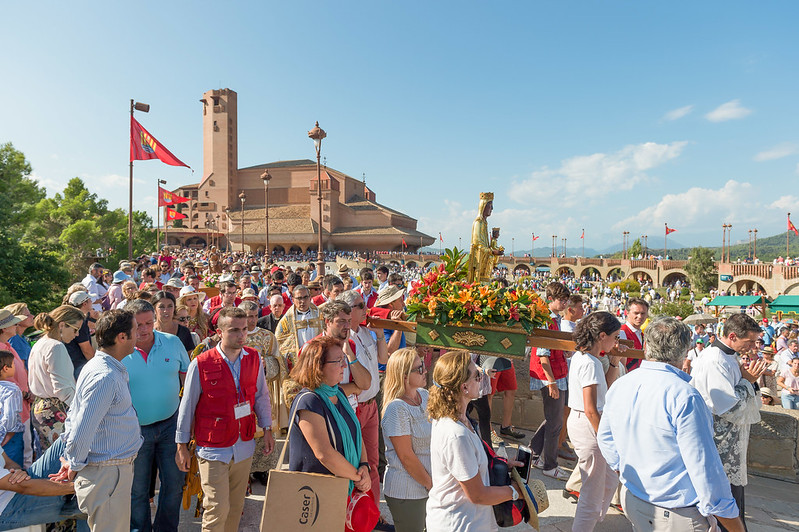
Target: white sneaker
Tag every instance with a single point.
(538, 463)
(557, 473)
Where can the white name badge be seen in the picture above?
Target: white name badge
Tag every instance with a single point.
(242, 410)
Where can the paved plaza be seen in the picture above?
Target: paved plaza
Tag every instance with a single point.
(772, 505)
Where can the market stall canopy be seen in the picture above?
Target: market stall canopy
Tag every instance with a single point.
(738, 301)
(785, 304)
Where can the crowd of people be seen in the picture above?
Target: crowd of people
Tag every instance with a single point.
(141, 375)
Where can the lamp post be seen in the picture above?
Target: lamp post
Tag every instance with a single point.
(646, 249)
(317, 134)
(158, 218)
(266, 178)
(564, 246)
(227, 239)
(749, 249)
(512, 247)
(625, 239)
(243, 198)
(144, 108)
(553, 245)
(754, 249)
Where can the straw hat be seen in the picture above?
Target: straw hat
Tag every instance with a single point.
(188, 291)
(343, 268)
(765, 391)
(7, 319)
(388, 294)
(174, 282)
(248, 293)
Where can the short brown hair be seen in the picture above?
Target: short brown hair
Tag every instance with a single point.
(308, 371)
(636, 301)
(556, 290)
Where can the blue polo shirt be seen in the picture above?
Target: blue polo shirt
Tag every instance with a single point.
(154, 379)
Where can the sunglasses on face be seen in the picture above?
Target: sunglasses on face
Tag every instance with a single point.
(183, 319)
(421, 370)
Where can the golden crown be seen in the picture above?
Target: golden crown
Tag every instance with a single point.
(487, 196)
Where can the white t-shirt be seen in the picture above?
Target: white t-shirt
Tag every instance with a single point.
(456, 455)
(366, 352)
(586, 370)
(5, 496)
(402, 419)
(693, 354)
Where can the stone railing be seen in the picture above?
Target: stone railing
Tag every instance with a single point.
(756, 270)
(648, 264)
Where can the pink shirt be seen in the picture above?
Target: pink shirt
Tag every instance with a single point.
(791, 381)
(20, 378)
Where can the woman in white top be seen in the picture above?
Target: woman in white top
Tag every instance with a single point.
(406, 430)
(596, 333)
(461, 497)
(50, 371)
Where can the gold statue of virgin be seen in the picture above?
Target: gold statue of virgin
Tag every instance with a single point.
(484, 252)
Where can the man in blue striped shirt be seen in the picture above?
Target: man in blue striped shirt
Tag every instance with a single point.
(101, 433)
(657, 432)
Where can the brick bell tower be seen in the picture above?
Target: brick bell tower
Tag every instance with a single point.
(219, 185)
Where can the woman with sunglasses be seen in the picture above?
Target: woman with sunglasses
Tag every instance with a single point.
(406, 429)
(51, 371)
(461, 498)
(325, 435)
(165, 321)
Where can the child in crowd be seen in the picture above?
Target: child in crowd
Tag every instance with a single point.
(10, 409)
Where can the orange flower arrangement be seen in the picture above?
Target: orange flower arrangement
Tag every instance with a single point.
(444, 295)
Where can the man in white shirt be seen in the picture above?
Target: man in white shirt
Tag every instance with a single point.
(787, 354)
(370, 352)
(95, 290)
(726, 387)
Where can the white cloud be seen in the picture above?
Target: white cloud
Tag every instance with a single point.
(676, 114)
(587, 178)
(778, 152)
(731, 110)
(698, 208)
(784, 203)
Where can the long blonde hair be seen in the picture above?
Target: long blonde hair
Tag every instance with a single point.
(398, 369)
(449, 375)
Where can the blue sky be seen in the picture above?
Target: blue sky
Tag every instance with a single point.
(608, 116)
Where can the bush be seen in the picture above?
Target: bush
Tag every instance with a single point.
(631, 286)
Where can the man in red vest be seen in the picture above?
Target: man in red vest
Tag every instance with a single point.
(549, 373)
(225, 391)
(637, 312)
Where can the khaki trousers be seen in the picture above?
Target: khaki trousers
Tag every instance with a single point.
(646, 517)
(224, 490)
(599, 480)
(103, 494)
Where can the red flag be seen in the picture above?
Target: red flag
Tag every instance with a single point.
(669, 231)
(583, 235)
(440, 237)
(172, 214)
(792, 227)
(143, 146)
(166, 197)
(404, 244)
(535, 238)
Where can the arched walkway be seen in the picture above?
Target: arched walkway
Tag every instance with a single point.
(640, 276)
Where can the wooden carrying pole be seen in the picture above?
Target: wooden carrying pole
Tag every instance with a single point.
(543, 338)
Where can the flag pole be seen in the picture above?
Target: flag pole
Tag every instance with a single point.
(788, 238)
(665, 246)
(130, 196)
(532, 249)
(157, 215)
(583, 239)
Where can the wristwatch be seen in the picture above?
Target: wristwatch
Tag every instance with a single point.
(368, 467)
(515, 494)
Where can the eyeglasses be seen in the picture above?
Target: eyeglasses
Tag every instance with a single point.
(337, 361)
(302, 298)
(237, 271)
(421, 370)
(184, 319)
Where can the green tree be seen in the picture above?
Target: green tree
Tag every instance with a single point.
(636, 248)
(20, 193)
(701, 270)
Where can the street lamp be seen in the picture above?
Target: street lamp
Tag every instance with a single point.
(624, 244)
(512, 246)
(158, 219)
(144, 108)
(243, 198)
(317, 134)
(227, 239)
(553, 245)
(754, 254)
(646, 251)
(266, 178)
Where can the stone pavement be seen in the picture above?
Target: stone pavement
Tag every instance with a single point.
(772, 506)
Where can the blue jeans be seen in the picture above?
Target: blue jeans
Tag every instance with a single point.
(29, 510)
(15, 448)
(791, 402)
(159, 447)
